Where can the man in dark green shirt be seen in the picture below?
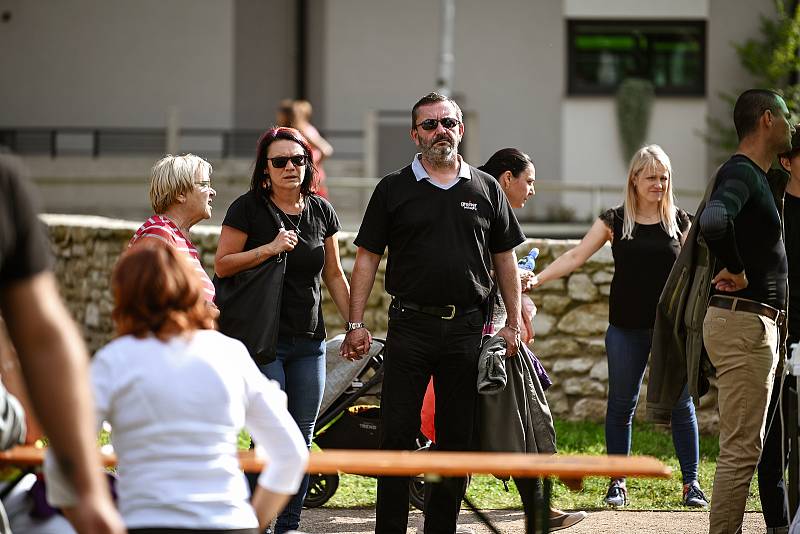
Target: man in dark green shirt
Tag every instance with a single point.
(742, 228)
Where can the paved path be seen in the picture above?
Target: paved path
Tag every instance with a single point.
(362, 521)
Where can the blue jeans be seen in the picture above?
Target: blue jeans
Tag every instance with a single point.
(300, 370)
(628, 350)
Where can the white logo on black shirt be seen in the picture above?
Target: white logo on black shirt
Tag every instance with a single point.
(469, 206)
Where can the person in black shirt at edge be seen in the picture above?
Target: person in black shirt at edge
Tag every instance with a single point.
(445, 224)
(771, 484)
(54, 360)
(646, 233)
(742, 227)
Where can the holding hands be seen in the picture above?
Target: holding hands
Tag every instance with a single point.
(356, 344)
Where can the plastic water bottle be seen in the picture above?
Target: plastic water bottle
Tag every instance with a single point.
(529, 261)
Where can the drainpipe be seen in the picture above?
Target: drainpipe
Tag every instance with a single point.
(444, 80)
(301, 45)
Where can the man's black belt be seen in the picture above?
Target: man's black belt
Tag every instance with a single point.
(447, 312)
(745, 305)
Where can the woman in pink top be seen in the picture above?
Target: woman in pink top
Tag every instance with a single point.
(297, 114)
(181, 196)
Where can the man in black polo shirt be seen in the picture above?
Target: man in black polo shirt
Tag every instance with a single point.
(446, 226)
(742, 227)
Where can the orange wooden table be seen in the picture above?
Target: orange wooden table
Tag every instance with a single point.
(570, 468)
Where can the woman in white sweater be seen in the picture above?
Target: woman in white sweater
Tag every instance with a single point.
(177, 393)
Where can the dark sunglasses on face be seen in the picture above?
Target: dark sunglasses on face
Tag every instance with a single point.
(431, 124)
(280, 162)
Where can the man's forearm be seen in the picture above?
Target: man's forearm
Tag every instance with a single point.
(361, 282)
(505, 265)
(55, 366)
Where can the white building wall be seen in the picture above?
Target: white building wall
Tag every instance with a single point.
(636, 9)
(116, 63)
(508, 67)
(592, 152)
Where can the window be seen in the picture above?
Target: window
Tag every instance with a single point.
(671, 54)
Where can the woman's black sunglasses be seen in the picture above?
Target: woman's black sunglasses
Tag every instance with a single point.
(280, 162)
(431, 124)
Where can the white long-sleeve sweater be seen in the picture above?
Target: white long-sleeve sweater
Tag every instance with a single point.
(176, 409)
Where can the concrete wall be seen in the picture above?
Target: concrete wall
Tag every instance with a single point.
(265, 62)
(730, 21)
(570, 325)
(508, 67)
(122, 63)
(590, 147)
(592, 152)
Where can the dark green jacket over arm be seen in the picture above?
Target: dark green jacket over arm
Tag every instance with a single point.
(677, 355)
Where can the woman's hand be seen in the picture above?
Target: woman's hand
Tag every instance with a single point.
(527, 279)
(285, 241)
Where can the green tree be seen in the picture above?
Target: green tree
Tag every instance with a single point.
(772, 60)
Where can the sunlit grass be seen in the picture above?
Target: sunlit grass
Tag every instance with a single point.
(579, 438)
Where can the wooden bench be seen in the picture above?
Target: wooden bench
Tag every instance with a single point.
(435, 464)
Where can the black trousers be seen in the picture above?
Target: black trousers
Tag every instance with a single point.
(419, 346)
(771, 480)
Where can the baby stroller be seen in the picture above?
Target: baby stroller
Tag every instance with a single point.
(344, 424)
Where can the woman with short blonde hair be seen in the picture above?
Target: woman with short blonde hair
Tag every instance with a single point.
(181, 196)
(646, 234)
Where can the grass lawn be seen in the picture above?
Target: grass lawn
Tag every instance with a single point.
(579, 438)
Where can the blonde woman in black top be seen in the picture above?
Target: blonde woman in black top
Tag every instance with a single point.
(646, 234)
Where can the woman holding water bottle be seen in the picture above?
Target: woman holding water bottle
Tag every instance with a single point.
(516, 174)
(646, 234)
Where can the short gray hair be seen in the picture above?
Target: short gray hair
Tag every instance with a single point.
(173, 176)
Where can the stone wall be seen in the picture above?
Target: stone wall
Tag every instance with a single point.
(570, 324)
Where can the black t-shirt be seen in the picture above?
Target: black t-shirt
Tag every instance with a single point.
(641, 268)
(742, 228)
(24, 249)
(301, 308)
(440, 241)
(791, 225)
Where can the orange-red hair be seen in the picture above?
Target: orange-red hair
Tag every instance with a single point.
(157, 292)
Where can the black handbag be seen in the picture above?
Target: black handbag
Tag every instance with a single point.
(249, 304)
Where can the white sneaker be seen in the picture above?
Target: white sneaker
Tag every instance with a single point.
(460, 529)
(567, 519)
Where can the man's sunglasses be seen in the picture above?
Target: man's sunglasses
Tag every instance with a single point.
(280, 162)
(430, 124)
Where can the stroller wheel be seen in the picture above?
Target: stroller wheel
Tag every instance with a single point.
(416, 493)
(320, 489)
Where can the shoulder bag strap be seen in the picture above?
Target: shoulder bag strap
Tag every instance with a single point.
(279, 222)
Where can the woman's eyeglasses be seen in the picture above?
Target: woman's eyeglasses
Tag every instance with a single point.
(431, 124)
(280, 162)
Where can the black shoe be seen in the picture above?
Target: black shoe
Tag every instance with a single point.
(693, 496)
(616, 495)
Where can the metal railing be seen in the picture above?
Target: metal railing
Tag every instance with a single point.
(601, 195)
(98, 142)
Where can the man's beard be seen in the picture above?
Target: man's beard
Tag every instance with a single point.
(439, 154)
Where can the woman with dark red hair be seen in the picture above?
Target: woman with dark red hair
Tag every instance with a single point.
(177, 393)
(284, 182)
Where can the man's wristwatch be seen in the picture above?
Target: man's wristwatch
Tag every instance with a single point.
(349, 327)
